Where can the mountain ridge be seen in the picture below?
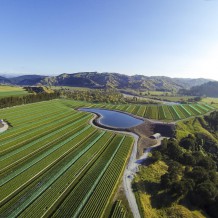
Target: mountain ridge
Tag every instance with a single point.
(107, 80)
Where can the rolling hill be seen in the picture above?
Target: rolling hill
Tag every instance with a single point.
(209, 89)
(107, 80)
(121, 81)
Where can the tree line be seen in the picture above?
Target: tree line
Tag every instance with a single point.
(95, 95)
(32, 98)
(102, 95)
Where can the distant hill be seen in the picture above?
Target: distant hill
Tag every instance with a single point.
(4, 80)
(26, 80)
(209, 89)
(120, 81)
(187, 83)
(106, 80)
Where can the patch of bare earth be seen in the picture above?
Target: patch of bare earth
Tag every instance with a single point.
(146, 129)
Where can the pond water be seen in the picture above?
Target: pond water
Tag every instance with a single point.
(114, 119)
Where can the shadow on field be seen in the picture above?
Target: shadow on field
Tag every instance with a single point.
(159, 198)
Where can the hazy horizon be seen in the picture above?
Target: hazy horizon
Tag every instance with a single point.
(16, 75)
(153, 37)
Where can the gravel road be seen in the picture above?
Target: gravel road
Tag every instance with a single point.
(4, 128)
(129, 174)
(131, 169)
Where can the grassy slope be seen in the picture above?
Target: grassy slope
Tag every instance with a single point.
(149, 197)
(7, 91)
(147, 180)
(209, 100)
(191, 126)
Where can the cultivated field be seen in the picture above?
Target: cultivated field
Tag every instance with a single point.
(213, 101)
(55, 164)
(7, 91)
(161, 112)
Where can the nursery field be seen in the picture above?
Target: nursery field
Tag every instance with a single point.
(55, 164)
(166, 112)
(161, 112)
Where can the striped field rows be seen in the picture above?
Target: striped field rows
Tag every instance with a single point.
(55, 164)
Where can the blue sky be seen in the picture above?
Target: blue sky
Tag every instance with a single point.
(176, 38)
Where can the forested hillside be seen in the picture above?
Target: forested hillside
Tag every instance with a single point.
(180, 179)
(107, 80)
(209, 89)
(120, 81)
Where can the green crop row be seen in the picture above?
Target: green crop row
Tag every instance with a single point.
(50, 152)
(160, 112)
(118, 211)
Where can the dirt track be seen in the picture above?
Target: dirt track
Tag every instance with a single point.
(4, 128)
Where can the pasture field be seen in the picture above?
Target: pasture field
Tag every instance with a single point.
(55, 164)
(212, 101)
(147, 183)
(7, 91)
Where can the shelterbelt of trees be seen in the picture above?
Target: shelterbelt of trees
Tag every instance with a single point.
(101, 96)
(13, 101)
(98, 95)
